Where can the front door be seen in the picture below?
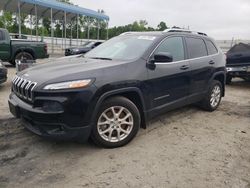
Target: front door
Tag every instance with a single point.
(169, 82)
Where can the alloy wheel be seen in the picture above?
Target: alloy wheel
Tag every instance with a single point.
(115, 124)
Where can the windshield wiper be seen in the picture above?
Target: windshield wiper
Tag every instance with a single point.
(102, 58)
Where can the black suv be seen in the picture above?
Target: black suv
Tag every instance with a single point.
(113, 90)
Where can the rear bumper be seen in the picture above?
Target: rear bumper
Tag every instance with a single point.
(48, 125)
(238, 71)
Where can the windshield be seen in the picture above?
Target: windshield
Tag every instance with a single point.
(124, 47)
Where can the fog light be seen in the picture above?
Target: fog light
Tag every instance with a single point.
(52, 106)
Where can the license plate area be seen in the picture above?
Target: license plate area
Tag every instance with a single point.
(14, 109)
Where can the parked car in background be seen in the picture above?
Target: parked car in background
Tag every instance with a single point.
(3, 73)
(15, 49)
(238, 62)
(112, 91)
(81, 49)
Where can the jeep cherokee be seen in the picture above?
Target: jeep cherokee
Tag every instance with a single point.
(113, 90)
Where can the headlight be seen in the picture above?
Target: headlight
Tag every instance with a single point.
(75, 50)
(68, 85)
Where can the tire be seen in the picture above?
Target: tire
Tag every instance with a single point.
(106, 134)
(229, 79)
(215, 92)
(22, 55)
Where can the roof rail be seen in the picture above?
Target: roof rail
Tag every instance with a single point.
(126, 33)
(184, 30)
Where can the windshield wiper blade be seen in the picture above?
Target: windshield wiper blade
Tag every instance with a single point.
(102, 58)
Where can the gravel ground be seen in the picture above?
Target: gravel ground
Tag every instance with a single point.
(183, 148)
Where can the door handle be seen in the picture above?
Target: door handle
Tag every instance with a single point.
(211, 62)
(184, 67)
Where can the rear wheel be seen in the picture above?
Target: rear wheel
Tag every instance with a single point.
(213, 98)
(117, 123)
(20, 56)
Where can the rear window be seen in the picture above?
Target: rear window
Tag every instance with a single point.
(196, 47)
(211, 48)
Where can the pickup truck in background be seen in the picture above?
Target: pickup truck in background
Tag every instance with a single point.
(14, 49)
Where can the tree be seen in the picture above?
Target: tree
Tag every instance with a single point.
(6, 20)
(162, 26)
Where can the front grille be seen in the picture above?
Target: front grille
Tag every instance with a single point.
(23, 88)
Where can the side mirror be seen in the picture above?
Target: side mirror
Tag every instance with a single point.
(162, 57)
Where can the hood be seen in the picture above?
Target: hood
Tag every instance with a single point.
(67, 69)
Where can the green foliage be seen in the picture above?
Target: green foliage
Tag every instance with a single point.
(142, 25)
(162, 26)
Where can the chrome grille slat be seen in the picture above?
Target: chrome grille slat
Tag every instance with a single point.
(23, 88)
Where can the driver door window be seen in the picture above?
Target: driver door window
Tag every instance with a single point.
(174, 46)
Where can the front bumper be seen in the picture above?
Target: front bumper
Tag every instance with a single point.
(46, 124)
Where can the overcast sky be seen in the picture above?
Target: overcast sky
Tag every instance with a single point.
(222, 19)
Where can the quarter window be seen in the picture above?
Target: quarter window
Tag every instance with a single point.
(196, 47)
(211, 48)
(174, 46)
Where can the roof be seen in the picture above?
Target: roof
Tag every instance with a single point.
(44, 7)
(166, 33)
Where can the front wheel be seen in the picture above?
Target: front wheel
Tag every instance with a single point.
(117, 123)
(213, 98)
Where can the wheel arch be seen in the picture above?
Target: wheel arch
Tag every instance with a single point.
(28, 50)
(221, 77)
(133, 94)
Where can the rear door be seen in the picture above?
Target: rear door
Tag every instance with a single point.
(4, 46)
(169, 82)
(201, 65)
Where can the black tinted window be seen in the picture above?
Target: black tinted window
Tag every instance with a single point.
(196, 47)
(211, 48)
(174, 46)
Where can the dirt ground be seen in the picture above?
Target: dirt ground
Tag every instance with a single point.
(183, 148)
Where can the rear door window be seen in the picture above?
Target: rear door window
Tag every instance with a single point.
(211, 48)
(174, 46)
(196, 47)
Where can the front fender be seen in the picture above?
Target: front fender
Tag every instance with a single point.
(120, 91)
